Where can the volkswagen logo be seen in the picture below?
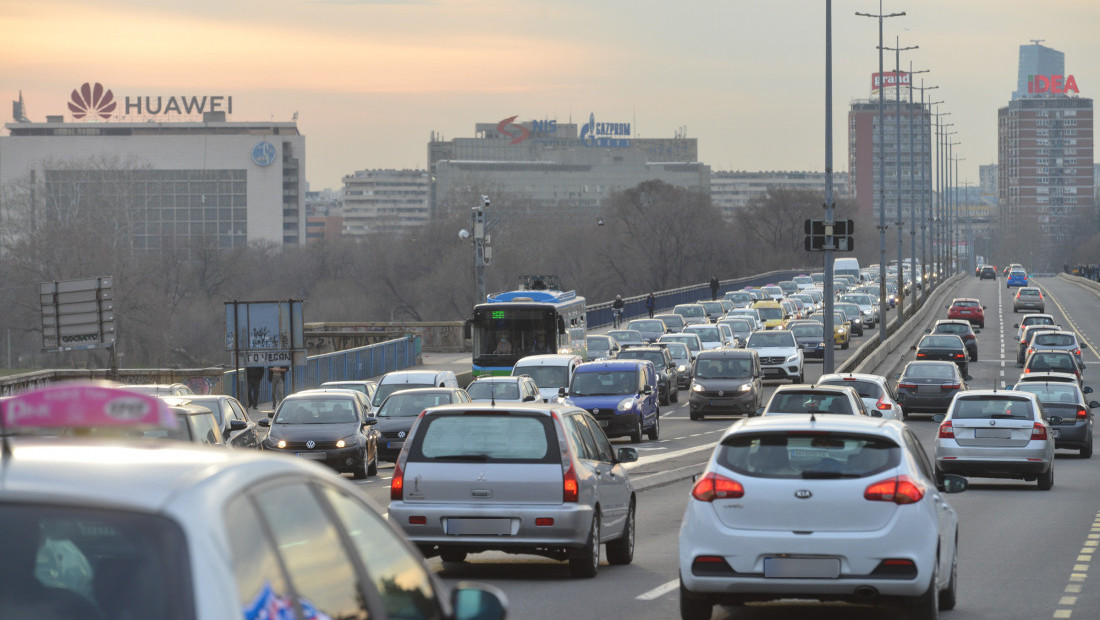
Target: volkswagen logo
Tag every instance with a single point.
(311, 444)
(993, 423)
(803, 494)
(721, 393)
(400, 434)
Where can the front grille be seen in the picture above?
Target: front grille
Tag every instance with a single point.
(301, 445)
(772, 361)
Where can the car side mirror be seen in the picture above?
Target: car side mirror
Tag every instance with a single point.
(562, 392)
(626, 455)
(529, 398)
(477, 602)
(264, 423)
(913, 348)
(237, 425)
(1087, 390)
(1093, 404)
(759, 411)
(952, 483)
(928, 331)
(1084, 346)
(977, 331)
(370, 421)
(938, 418)
(984, 308)
(1015, 326)
(875, 413)
(647, 390)
(270, 414)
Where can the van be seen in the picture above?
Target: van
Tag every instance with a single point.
(621, 394)
(408, 379)
(847, 266)
(550, 372)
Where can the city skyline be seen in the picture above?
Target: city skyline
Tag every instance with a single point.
(370, 80)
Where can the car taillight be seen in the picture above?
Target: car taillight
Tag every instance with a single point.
(1024, 341)
(1077, 351)
(1038, 431)
(959, 356)
(714, 486)
(908, 386)
(1082, 413)
(397, 484)
(919, 354)
(899, 490)
(570, 490)
(951, 386)
(1027, 370)
(883, 405)
(946, 430)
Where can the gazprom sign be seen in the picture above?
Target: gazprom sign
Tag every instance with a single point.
(608, 135)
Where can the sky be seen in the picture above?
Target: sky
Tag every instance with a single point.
(371, 79)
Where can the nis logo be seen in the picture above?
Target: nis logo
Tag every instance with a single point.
(520, 133)
(1055, 84)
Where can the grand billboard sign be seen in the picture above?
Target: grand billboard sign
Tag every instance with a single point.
(1054, 84)
(891, 79)
(93, 100)
(592, 134)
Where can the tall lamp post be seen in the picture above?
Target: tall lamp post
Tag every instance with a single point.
(882, 171)
(928, 214)
(899, 223)
(830, 211)
(945, 205)
(952, 208)
(918, 282)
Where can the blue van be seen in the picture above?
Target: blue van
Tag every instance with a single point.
(621, 395)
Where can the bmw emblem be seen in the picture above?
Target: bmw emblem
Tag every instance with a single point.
(400, 434)
(803, 494)
(311, 444)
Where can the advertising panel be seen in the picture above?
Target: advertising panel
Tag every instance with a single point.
(265, 333)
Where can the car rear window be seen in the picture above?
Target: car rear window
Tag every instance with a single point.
(604, 383)
(1051, 392)
(952, 328)
(706, 334)
(928, 371)
(493, 389)
(1055, 340)
(866, 389)
(1024, 292)
(805, 401)
(723, 368)
(992, 407)
(486, 437)
(808, 455)
(940, 342)
(693, 311)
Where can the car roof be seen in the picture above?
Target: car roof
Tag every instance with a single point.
(813, 387)
(616, 364)
(855, 376)
(536, 407)
(548, 359)
(829, 423)
(487, 379)
(998, 393)
(952, 322)
(1060, 377)
(411, 391)
(350, 382)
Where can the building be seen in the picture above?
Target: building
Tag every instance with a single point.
(324, 215)
(1037, 59)
(555, 171)
(175, 165)
(731, 191)
(385, 201)
(911, 157)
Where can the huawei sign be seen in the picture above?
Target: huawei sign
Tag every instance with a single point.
(92, 100)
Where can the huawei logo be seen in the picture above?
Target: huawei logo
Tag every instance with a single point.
(92, 100)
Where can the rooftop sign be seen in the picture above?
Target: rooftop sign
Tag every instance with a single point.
(94, 100)
(1054, 84)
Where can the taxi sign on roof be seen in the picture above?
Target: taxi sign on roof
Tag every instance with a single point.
(84, 405)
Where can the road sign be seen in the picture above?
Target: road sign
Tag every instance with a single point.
(817, 234)
(77, 314)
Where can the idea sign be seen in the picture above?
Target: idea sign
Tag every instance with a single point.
(1055, 84)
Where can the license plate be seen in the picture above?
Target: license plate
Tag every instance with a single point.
(395, 445)
(801, 568)
(479, 527)
(992, 433)
(314, 456)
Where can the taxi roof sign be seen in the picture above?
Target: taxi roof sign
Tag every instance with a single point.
(84, 405)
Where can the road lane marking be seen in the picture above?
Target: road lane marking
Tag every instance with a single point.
(1080, 336)
(659, 591)
(1078, 574)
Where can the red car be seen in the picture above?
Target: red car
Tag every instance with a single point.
(967, 309)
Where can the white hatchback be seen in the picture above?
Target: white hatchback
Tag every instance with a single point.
(843, 508)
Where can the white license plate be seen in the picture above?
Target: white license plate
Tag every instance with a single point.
(479, 527)
(314, 456)
(801, 568)
(395, 445)
(992, 433)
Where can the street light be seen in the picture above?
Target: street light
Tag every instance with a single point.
(926, 190)
(897, 160)
(918, 284)
(483, 254)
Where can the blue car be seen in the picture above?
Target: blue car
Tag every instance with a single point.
(1016, 278)
(622, 396)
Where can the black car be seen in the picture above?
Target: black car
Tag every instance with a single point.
(1064, 407)
(947, 347)
(987, 273)
(238, 430)
(727, 381)
(810, 337)
(330, 427)
(1025, 343)
(963, 330)
(928, 387)
(397, 413)
(852, 312)
(668, 377)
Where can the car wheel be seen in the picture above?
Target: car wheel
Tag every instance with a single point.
(676, 395)
(927, 606)
(800, 378)
(655, 432)
(1046, 480)
(938, 474)
(360, 472)
(636, 433)
(621, 550)
(452, 555)
(845, 344)
(974, 357)
(662, 399)
(1086, 452)
(372, 467)
(585, 562)
(948, 596)
(694, 416)
(694, 607)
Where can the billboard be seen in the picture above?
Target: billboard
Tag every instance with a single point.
(265, 333)
(77, 314)
(890, 79)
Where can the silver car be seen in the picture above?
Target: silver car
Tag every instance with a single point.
(815, 399)
(526, 478)
(780, 357)
(874, 390)
(996, 434)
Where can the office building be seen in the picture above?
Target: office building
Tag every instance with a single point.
(731, 191)
(385, 201)
(1037, 59)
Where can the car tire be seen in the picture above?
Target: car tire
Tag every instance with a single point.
(845, 345)
(662, 399)
(974, 357)
(584, 563)
(694, 416)
(1046, 480)
(360, 473)
(452, 555)
(675, 395)
(621, 550)
(636, 434)
(372, 467)
(655, 433)
(949, 595)
(693, 607)
(1086, 452)
(938, 475)
(927, 605)
(800, 378)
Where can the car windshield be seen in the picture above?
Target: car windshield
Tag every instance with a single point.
(706, 334)
(386, 389)
(545, 376)
(626, 337)
(808, 455)
(358, 387)
(760, 340)
(964, 303)
(486, 438)
(315, 411)
(770, 314)
(486, 390)
(407, 405)
(679, 352)
(772, 291)
(993, 407)
(712, 307)
(1051, 392)
(739, 327)
(601, 343)
(791, 401)
(1053, 361)
(723, 368)
(672, 320)
(692, 311)
(952, 328)
(1038, 320)
(647, 325)
(604, 383)
(866, 389)
(692, 341)
(807, 331)
(1028, 292)
(656, 357)
(739, 298)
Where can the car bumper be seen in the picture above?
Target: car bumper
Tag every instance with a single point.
(1076, 436)
(618, 423)
(741, 403)
(1028, 306)
(999, 462)
(340, 459)
(782, 371)
(932, 403)
(477, 527)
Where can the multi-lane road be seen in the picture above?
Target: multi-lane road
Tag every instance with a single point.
(1024, 553)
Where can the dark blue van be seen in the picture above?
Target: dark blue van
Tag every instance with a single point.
(621, 395)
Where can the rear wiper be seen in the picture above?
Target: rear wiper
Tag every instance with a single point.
(464, 457)
(821, 475)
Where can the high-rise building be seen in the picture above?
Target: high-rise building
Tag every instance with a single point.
(385, 201)
(1037, 59)
(731, 191)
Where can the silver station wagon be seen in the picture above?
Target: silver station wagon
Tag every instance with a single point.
(529, 478)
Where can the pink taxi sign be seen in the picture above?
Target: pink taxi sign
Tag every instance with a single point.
(84, 405)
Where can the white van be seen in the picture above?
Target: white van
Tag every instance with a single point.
(550, 372)
(847, 267)
(397, 380)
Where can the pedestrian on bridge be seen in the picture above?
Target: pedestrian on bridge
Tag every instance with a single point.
(277, 376)
(255, 376)
(714, 287)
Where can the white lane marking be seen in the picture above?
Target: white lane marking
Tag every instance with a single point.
(659, 591)
(645, 460)
(1077, 576)
(1080, 336)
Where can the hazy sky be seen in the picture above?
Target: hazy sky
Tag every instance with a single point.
(370, 79)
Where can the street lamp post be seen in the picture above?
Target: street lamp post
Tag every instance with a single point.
(482, 252)
(899, 223)
(918, 282)
(926, 212)
(882, 171)
(945, 246)
(830, 211)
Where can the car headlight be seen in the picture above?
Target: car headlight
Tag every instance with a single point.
(681, 368)
(695, 387)
(626, 404)
(792, 357)
(347, 441)
(745, 388)
(281, 443)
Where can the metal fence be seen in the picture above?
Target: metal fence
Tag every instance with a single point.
(359, 363)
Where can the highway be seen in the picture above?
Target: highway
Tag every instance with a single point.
(1024, 553)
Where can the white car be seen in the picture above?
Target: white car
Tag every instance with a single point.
(125, 528)
(780, 357)
(873, 389)
(883, 533)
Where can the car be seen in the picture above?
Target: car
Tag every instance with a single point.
(842, 328)
(948, 347)
(1016, 277)
(1029, 333)
(621, 395)
(1052, 360)
(674, 323)
(804, 282)
(551, 372)
(694, 344)
(809, 306)
(196, 423)
(1050, 377)
(692, 313)
(791, 310)
(709, 335)
(740, 299)
(398, 412)
(772, 292)
(987, 273)
(1013, 267)
(962, 329)
(514, 388)
(868, 309)
(668, 376)
(237, 428)
(627, 336)
(996, 434)
(726, 382)
(366, 386)
(1067, 412)
(601, 347)
(883, 532)
(789, 287)
(161, 389)
(650, 329)
(967, 309)
(780, 357)
(1058, 341)
(855, 320)
(771, 314)
(1032, 319)
(714, 309)
(928, 387)
(740, 327)
(810, 337)
(184, 531)
(524, 478)
(331, 427)
(874, 390)
(682, 358)
(751, 314)
(397, 380)
(815, 400)
(1028, 298)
